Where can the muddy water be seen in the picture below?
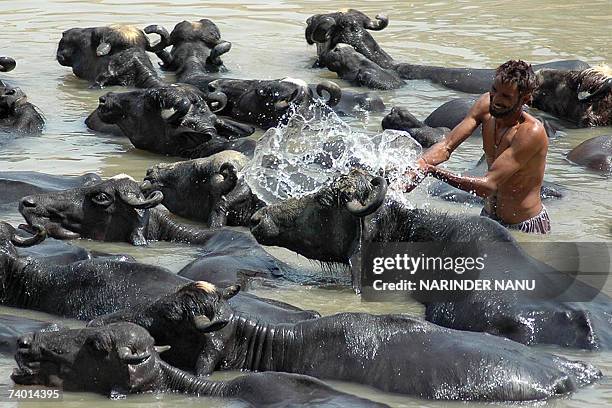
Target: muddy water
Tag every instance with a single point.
(268, 42)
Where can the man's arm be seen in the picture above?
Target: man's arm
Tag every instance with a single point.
(441, 151)
(524, 146)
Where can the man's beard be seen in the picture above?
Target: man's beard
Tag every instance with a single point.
(504, 112)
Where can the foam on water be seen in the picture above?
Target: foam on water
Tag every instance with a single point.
(315, 146)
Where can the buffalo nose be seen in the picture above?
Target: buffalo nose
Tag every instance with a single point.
(28, 201)
(102, 99)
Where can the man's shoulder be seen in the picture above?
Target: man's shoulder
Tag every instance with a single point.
(531, 131)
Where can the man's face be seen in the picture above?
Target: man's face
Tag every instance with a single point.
(505, 99)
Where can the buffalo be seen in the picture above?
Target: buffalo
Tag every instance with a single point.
(196, 47)
(267, 103)
(594, 153)
(122, 358)
(90, 288)
(207, 189)
(394, 353)
(351, 28)
(17, 114)
(96, 53)
(353, 210)
(172, 120)
(582, 97)
(7, 64)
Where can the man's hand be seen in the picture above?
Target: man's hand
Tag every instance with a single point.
(416, 176)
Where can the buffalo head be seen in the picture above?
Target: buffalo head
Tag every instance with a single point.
(175, 120)
(583, 97)
(323, 225)
(198, 41)
(188, 320)
(111, 210)
(196, 188)
(86, 50)
(267, 102)
(349, 27)
(119, 358)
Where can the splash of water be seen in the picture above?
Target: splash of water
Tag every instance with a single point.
(316, 146)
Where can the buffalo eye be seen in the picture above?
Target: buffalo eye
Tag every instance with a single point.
(102, 199)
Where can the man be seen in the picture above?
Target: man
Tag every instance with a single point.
(515, 146)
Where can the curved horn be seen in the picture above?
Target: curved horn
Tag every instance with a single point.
(374, 201)
(161, 349)
(125, 354)
(155, 198)
(295, 96)
(320, 31)
(205, 325)
(220, 49)
(164, 40)
(335, 93)
(381, 23)
(7, 64)
(40, 236)
(220, 98)
(601, 91)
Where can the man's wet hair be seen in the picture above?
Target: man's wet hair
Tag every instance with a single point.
(518, 72)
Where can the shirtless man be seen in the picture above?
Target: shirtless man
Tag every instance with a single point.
(515, 146)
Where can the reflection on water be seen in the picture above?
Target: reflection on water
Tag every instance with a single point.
(268, 42)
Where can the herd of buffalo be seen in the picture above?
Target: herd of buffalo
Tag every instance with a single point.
(150, 329)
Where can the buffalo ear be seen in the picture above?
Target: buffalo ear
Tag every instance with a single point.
(103, 49)
(230, 292)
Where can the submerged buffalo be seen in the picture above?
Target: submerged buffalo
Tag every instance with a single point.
(13, 327)
(173, 120)
(94, 287)
(102, 54)
(594, 153)
(7, 64)
(267, 103)
(353, 210)
(401, 119)
(196, 50)
(207, 189)
(583, 97)
(351, 28)
(197, 47)
(112, 210)
(17, 114)
(17, 184)
(394, 353)
(122, 358)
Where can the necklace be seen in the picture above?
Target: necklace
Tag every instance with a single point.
(496, 141)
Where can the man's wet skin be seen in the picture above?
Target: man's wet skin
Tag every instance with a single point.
(515, 145)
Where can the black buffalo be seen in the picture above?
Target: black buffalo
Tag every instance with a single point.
(594, 153)
(16, 113)
(331, 224)
(582, 97)
(93, 287)
(351, 27)
(172, 120)
(394, 353)
(111, 55)
(122, 358)
(207, 189)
